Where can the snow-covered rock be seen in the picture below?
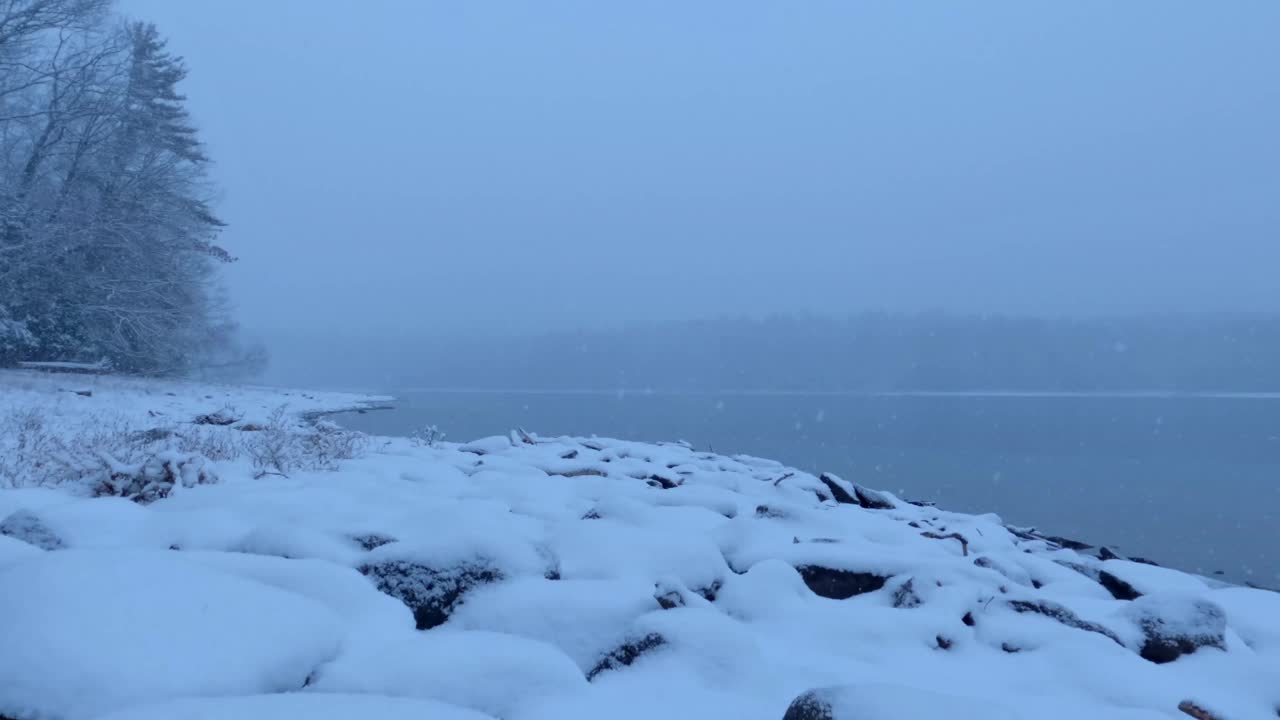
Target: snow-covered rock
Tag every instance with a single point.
(495, 673)
(529, 578)
(299, 706)
(889, 702)
(24, 525)
(1174, 625)
(88, 631)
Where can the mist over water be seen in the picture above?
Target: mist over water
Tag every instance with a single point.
(1188, 482)
(762, 214)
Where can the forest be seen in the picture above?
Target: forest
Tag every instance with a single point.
(858, 352)
(108, 241)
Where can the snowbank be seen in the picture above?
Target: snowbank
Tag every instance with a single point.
(525, 578)
(86, 631)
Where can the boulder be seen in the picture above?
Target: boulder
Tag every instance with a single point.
(1175, 625)
(855, 494)
(1063, 615)
(24, 525)
(1118, 588)
(431, 593)
(839, 584)
(627, 653)
(875, 701)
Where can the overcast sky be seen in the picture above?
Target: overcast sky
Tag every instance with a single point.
(444, 165)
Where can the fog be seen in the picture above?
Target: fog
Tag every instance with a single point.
(653, 319)
(420, 168)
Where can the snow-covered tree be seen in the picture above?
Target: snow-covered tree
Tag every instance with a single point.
(107, 241)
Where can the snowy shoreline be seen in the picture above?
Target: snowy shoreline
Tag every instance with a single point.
(522, 578)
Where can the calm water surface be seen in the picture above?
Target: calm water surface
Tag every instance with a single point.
(1192, 482)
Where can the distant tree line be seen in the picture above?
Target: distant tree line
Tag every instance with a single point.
(107, 239)
(867, 352)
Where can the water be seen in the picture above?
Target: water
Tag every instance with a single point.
(1191, 482)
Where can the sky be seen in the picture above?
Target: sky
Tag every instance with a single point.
(427, 166)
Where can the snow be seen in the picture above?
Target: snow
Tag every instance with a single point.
(892, 702)
(87, 631)
(495, 673)
(670, 576)
(308, 705)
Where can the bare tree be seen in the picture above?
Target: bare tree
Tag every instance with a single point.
(107, 242)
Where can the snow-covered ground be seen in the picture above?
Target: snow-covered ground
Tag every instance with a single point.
(176, 550)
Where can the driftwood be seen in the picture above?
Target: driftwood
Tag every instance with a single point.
(66, 367)
(1196, 711)
(964, 542)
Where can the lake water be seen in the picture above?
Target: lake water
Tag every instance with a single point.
(1191, 482)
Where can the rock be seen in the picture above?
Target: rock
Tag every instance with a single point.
(670, 594)
(709, 593)
(627, 653)
(905, 596)
(876, 701)
(669, 600)
(810, 706)
(488, 445)
(1118, 588)
(659, 481)
(430, 593)
(1022, 533)
(1176, 625)
(839, 494)
(1104, 553)
(839, 584)
(24, 525)
(871, 499)
(1012, 572)
(764, 511)
(1197, 712)
(372, 541)
(863, 497)
(1067, 543)
(221, 417)
(1062, 615)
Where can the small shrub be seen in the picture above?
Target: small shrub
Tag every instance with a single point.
(270, 449)
(156, 477)
(285, 444)
(212, 443)
(329, 443)
(428, 436)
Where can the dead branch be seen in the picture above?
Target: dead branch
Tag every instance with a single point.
(964, 542)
